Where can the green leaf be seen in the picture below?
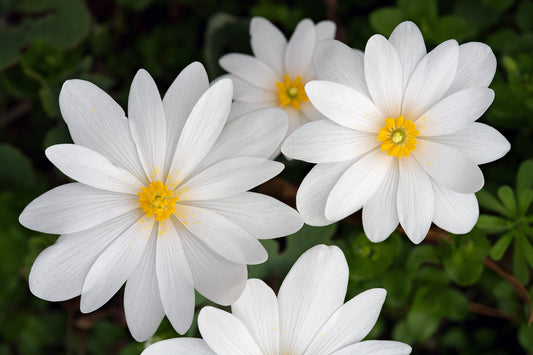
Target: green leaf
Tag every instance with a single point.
(449, 26)
(488, 201)
(498, 5)
(135, 5)
(524, 14)
(506, 195)
(524, 177)
(385, 19)
(520, 269)
(499, 248)
(524, 201)
(423, 253)
(20, 172)
(493, 224)
(527, 249)
(372, 259)
(525, 337)
(420, 10)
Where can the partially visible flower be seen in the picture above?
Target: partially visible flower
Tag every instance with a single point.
(277, 73)
(161, 201)
(400, 141)
(308, 316)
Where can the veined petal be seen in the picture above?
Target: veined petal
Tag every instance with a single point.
(250, 69)
(91, 168)
(457, 213)
(239, 108)
(229, 177)
(216, 278)
(409, 44)
(384, 75)
(476, 67)
(310, 112)
(246, 92)
(325, 142)
(325, 30)
(345, 106)
(201, 130)
(430, 80)
(416, 201)
(225, 333)
(268, 44)
(455, 112)
(179, 346)
(300, 49)
(478, 141)
(115, 265)
(148, 124)
(59, 271)
(349, 324)
(179, 101)
(357, 185)
(449, 167)
(315, 188)
(174, 276)
(97, 122)
(74, 207)
(254, 134)
(142, 302)
(375, 347)
(335, 61)
(262, 216)
(312, 290)
(258, 310)
(222, 235)
(380, 216)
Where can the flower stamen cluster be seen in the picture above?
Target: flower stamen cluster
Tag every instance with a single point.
(398, 137)
(291, 92)
(157, 200)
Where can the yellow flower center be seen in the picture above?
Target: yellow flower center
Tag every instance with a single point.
(291, 92)
(156, 200)
(398, 137)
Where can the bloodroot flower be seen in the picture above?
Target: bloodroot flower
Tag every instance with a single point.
(400, 140)
(277, 73)
(161, 201)
(307, 317)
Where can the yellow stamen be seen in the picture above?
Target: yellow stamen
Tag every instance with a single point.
(156, 200)
(291, 92)
(398, 137)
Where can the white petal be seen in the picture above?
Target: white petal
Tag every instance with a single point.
(96, 121)
(246, 92)
(74, 207)
(325, 142)
(262, 216)
(345, 106)
(314, 190)
(476, 66)
(449, 167)
(312, 290)
(430, 80)
(229, 177)
(457, 213)
(178, 102)
(349, 324)
(325, 30)
(479, 142)
(455, 112)
(380, 217)
(179, 346)
(115, 265)
(310, 112)
(225, 333)
(59, 271)
(142, 302)
(201, 130)
(216, 278)
(257, 308)
(300, 49)
(239, 108)
(174, 276)
(255, 134)
(250, 69)
(409, 43)
(222, 235)
(91, 168)
(268, 43)
(376, 347)
(416, 201)
(357, 185)
(335, 61)
(296, 119)
(384, 75)
(148, 124)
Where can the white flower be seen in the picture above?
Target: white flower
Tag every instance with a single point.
(276, 76)
(308, 316)
(161, 200)
(400, 140)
